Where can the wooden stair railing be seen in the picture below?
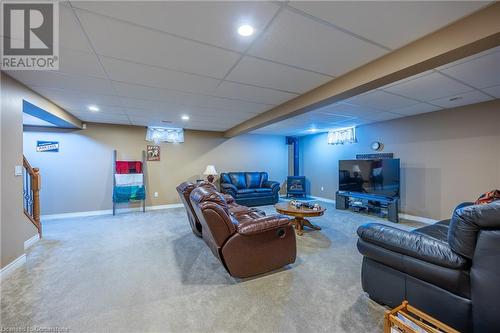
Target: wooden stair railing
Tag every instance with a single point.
(31, 194)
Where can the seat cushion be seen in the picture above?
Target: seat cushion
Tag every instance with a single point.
(437, 231)
(245, 191)
(454, 280)
(238, 179)
(263, 190)
(253, 179)
(253, 194)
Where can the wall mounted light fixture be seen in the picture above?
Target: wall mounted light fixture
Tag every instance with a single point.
(342, 136)
(164, 134)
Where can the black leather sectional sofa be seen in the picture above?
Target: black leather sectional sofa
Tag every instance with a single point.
(451, 269)
(250, 188)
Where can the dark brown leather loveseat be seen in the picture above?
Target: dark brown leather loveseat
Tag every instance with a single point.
(245, 240)
(450, 270)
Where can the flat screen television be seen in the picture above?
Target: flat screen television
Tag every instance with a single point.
(376, 176)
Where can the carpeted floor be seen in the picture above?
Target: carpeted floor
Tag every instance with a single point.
(146, 272)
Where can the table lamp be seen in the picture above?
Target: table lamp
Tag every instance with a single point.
(210, 172)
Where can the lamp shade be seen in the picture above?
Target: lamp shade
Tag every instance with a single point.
(210, 170)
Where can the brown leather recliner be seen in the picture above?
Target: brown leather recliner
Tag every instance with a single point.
(185, 190)
(248, 243)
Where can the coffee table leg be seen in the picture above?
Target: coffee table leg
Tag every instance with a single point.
(310, 225)
(299, 226)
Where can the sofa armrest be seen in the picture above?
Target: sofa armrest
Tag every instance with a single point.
(228, 188)
(263, 224)
(275, 186)
(415, 245)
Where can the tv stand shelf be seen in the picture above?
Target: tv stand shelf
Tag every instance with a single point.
(342, 201)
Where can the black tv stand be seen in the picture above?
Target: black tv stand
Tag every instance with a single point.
(342, 202)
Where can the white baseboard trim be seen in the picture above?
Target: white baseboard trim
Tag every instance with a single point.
(31, 241)
(107, 212)
(322, 199)
(10, 268)
(417, 218)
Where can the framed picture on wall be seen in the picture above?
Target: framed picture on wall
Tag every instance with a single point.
(153, 153)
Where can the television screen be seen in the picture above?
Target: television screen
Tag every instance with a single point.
(377, 176)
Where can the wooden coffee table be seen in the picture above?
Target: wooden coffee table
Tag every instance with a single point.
(299, 215)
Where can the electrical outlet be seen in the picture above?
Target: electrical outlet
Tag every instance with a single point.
(322, 188)
(155, 194)
(18, 170)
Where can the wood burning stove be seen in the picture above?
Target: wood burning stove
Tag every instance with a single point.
(296, 186)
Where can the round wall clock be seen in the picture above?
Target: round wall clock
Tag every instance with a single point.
(376, 145)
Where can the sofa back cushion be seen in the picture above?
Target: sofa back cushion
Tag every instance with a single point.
(184, 191)
(224, 178)
(212, 211)
(254, 179)
(238, 179)
(243, 180)
(467, 222)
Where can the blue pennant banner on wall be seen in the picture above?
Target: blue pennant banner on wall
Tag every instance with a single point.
(47, 146)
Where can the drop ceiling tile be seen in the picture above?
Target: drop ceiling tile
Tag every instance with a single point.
(275, 76)
(348, 110)
(52, 79)
(71, 35)
(406, 79)
(382, 116)
(320, 118)
(126, 41)
(129, 72)
(103, 118)
(494, 91)
(290, 40)
(195, 125)
(173, 112)
(353, 122)
(63, 95)
(381, 100)
(417, 109)
(187, 99)
(463, 99)
(469, 58)
(80, 63)
(390, 23)
(429, 87)
(211, 22)
(252, 93)
(480, 72)
(83, 108)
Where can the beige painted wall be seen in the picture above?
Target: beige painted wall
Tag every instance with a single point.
(15, 227)
(79, 177)
(447, 157)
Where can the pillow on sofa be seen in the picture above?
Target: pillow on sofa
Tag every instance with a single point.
(488, 197)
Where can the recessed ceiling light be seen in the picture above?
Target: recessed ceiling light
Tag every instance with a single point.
(246, 30)
(185, 117)
(93, 108)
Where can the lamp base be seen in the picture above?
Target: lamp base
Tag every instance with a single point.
(210, 178)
